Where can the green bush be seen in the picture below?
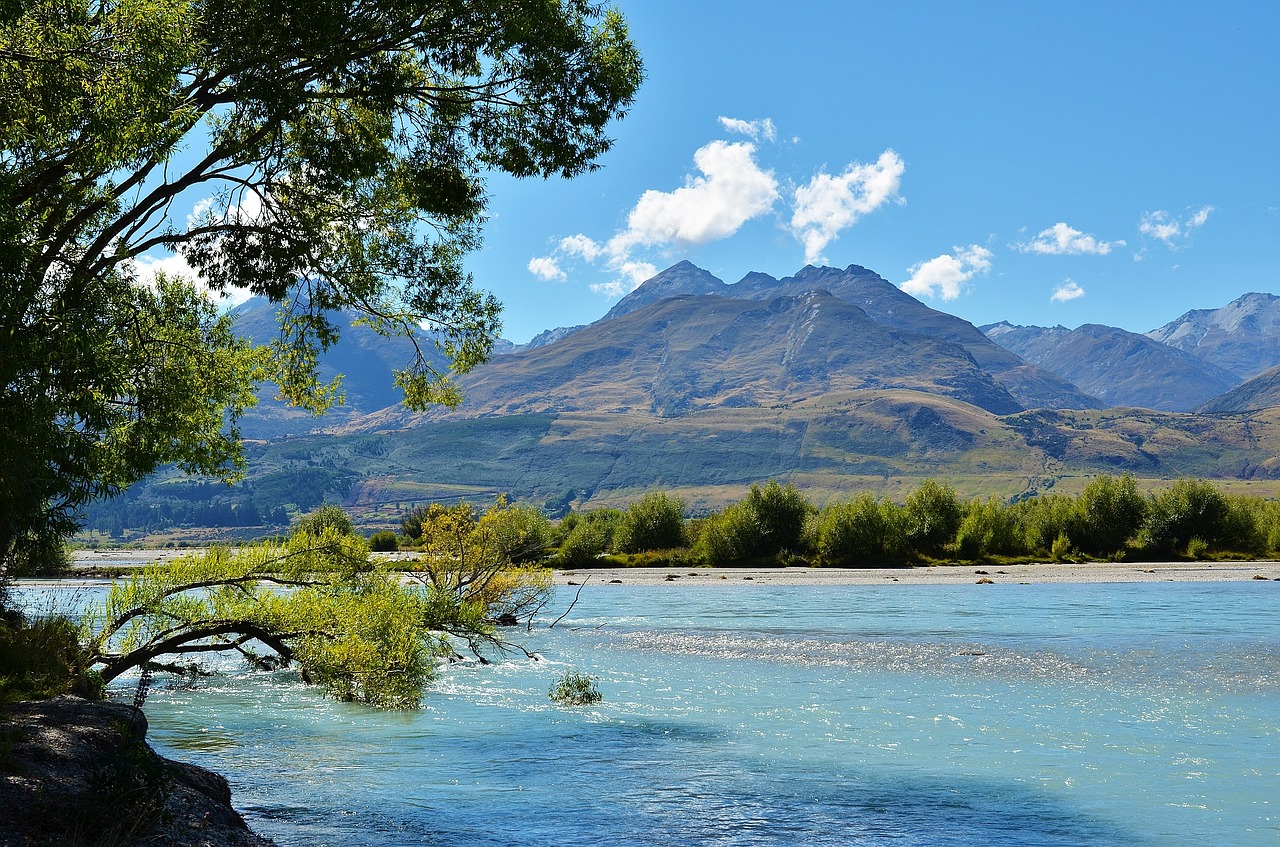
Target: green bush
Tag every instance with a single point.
(42, 659)
(575, 689)
(384, 541)
(933, 516)
(1190, 508)
(1110, 513)
(729, 537)
(584, 545)
(862, 532)
(44, 554)
(1043, 519)
(411, 524)
(778, 514)
(327, 516)
(523, 533)
(987, 529)
(1244, 526)
(654, 522)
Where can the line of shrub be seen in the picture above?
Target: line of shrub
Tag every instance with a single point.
(776, 524)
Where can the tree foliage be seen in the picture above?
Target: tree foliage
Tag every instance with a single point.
(1110, 511)
(1188, 509)
(480, 564)
(334, 153)
(654, 522)
(861, 532)
(933, 516)
(587, 536)
(317, 602)
(770, 521)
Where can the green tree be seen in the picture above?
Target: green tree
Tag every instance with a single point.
(654, 522)
(730, 537)
(780, 513)
(933, 516)
(1110, 513)
(589, 534)
(989, 528)
(861, 532)
(768, 522)
(1188, 509)
(1043, 519)
(317, 602)
(481, 563)
(335, 154)
(327, 517)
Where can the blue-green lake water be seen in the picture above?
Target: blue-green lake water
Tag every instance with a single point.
(741, 714)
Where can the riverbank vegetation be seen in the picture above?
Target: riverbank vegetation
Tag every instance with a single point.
(372, 628)
(1111, 519)
(316, 600)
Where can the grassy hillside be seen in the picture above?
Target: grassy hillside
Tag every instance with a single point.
(879, 441)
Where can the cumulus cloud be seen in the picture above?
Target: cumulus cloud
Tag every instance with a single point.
(1069, 290)
(546, 268)
(1172, 230)
(732, 190)
(1062, 240)
(726, 189)
(581, 247)
(755, 130)
(946, 276)
(729, 189)
(826, 204)
(175, 265)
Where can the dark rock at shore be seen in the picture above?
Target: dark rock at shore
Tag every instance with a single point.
(79, 772)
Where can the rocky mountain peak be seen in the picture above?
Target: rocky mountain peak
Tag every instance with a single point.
(681, 278)
(1243, 336)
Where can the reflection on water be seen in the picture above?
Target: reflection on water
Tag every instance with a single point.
(941, 715)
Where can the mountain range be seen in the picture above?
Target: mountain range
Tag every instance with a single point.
(831, 378)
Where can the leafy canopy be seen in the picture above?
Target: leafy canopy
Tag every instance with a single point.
(334, 152)
(317, 602)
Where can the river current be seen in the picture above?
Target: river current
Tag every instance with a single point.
(741, 714)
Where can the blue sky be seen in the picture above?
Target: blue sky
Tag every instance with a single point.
(1042, 163)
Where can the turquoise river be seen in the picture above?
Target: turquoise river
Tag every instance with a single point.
(741, 714)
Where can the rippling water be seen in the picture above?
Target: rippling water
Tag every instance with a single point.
(762, 715)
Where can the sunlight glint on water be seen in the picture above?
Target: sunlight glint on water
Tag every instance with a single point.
(761, 715)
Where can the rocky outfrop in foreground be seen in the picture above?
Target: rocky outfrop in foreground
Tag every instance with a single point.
(79, 772)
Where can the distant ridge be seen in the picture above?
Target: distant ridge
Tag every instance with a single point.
(363, 359)
(681, 278)
(1119, 367)
(1261, 392)
(831, 378)
(1242, 337)
(691, 353)
(885, 304)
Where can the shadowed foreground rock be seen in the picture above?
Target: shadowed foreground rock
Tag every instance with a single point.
(77, 772)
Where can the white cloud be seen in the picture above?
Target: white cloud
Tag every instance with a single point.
(1069, 290)
(175, 265)
(581, 247)
(755, 130)
(946, 276)
(732, 190)
(828, 204)
(633, 273)
(729, 190)
(546, 268)
(1061, 240)
(1171, 230)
